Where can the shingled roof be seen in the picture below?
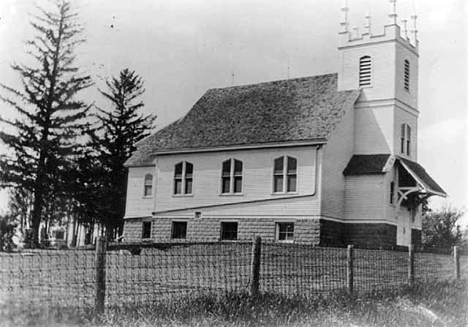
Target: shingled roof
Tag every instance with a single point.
(302, 109)
(423, 177)
(366, 164)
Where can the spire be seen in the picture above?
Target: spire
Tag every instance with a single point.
(393, 13)
(344, 18)
(367, 24)
(405, 28)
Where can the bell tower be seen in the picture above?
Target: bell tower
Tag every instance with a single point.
(385, 68)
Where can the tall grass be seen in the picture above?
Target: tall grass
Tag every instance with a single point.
(443, 303)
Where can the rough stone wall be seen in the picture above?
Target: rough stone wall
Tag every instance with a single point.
(209, 229)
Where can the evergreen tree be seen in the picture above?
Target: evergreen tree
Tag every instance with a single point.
(43, 139)
(118, 130)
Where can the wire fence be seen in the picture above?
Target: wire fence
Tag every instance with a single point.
(157, 272)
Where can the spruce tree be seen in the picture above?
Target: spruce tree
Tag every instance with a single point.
(43, 139)
(118, 130)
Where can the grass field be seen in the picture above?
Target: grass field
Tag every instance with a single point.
(67, 278)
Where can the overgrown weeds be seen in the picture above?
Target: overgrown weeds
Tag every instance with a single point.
(442, 303)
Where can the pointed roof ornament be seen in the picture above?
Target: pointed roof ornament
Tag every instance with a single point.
(393, 12)
(405, 28)
(367, 24)
(344, 17)
(414, 31)
(356, 31)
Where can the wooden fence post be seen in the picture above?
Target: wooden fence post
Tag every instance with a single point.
(255, 266)
(100, 261)
(456, 261)
(350, 276)
(411, 264)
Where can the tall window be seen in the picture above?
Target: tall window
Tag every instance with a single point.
(146, 229)
(285, 175)
(231, 177)
(365, 71)
(392, 192)
(285, 231)
(407, 75)
(183, 178)
(405, 146)
(148, 185)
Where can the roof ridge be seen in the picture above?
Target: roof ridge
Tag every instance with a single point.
(271, 82)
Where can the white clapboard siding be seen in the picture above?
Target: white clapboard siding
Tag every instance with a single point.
(137, 205)
(337, 153)
(294, 207)
(364, 197)
(257, 176)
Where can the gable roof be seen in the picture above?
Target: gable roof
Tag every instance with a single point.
(302, 109)
(366, 164)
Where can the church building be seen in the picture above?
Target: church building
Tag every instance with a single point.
(323, 160)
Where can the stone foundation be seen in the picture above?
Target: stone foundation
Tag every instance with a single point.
(306, 231)
(209, 229)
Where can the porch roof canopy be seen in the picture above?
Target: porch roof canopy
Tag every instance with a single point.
(428, 185)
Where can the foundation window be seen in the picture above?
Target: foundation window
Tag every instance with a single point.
(146, 230)
(179, 229)
(229, 230)
(285, 232)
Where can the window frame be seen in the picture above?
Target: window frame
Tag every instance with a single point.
(222, 230)
(232, 177)
(278, 232)
(405, 139)
(145, 185)
(143, 230)
(174, 222)
(183, 179)
(285, 175)
(365, 74)
(406, 75)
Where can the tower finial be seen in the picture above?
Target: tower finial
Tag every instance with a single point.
(356, 31)
(367, 24)
(344, 17)
(393, 12)
(405, 28)
(414, 31)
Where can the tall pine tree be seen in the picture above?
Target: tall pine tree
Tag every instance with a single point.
(43, 138)
(118, 130)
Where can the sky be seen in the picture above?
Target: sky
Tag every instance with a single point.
(181, 48)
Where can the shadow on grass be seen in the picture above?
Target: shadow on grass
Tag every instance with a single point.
(429, 304)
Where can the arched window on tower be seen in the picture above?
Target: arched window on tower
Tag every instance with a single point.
(365, 71)
(407, 76)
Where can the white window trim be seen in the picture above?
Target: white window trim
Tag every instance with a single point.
(144, 186)
(371, 69)
(285, 176)
(277, 222)
(231, 179)
(182, 189)
(407, 144)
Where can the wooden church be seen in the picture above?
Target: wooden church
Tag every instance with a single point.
(323, 160)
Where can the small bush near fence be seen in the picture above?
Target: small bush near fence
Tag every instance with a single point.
(111, 277)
